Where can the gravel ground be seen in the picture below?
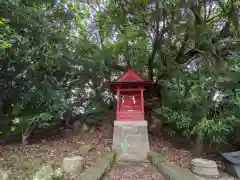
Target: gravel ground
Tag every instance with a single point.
(134, 171)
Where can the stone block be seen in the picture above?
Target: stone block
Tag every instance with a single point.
(204, 167)
(72, 165)
(130, 140)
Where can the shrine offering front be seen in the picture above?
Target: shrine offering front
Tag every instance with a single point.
(130, 105)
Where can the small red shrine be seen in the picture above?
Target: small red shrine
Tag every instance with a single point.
(129, 89)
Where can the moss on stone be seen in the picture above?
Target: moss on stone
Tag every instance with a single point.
(100, 167)
(170, 170)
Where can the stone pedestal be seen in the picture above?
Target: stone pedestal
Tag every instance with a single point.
(130, 140)
(205, 168)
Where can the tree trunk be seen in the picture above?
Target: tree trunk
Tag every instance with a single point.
(200, 135)
(199, 143)
(124, 32)
(149, 119)
(28, 132)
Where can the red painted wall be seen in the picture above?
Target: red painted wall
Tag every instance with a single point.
(128, 109)
(127, 101)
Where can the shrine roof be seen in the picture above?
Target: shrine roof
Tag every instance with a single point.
(130, 76)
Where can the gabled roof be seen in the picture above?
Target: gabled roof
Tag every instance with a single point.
(130, 76)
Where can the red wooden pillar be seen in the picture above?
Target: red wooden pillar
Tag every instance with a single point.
(118, 101)
(142, 100)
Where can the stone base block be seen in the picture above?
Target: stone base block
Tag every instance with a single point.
(204, 167)
(130, 140)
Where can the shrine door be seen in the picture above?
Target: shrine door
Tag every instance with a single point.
(130, 106)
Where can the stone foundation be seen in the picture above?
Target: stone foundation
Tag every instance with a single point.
(130, 140)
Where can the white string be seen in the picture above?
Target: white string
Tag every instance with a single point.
(133, 97)
(122, 99)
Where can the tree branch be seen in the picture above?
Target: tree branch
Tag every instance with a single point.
(157, 40)
(182, 48)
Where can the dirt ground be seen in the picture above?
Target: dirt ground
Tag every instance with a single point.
(24, 160)
(134, 171)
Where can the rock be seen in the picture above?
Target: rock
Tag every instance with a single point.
(58, 172)
(77, 127)
(73, 165)
(174, 172)
(204, 167)
(45, 173)
(4, 175)
(85, 128)
(85, 149)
